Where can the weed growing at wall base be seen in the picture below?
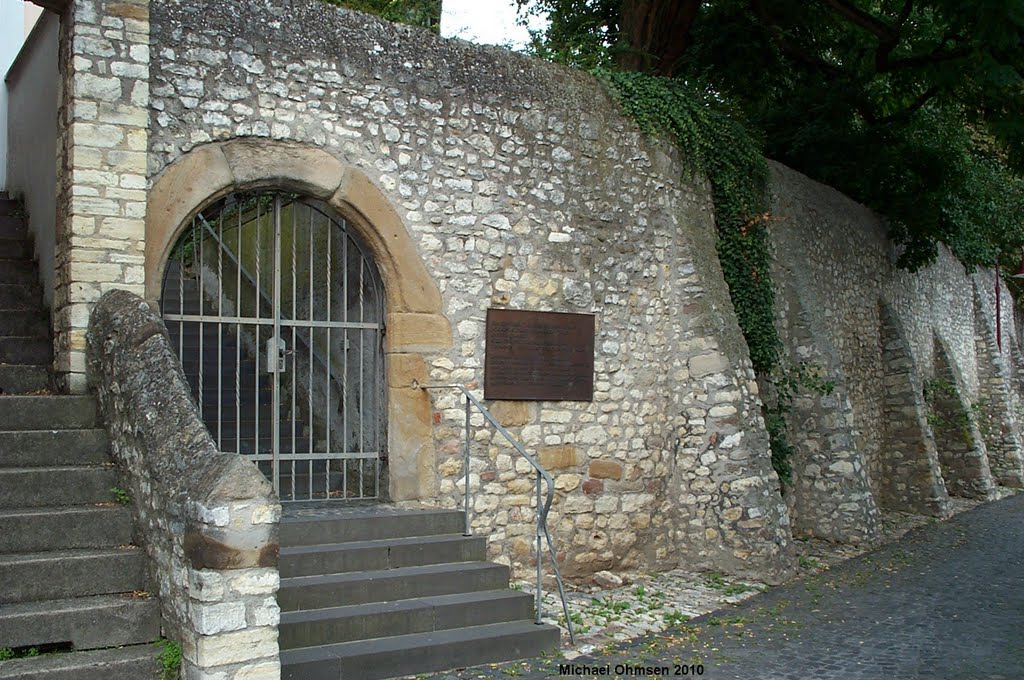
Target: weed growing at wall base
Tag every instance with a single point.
(170, 659)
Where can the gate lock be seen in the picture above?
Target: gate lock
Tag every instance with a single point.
(277, 350)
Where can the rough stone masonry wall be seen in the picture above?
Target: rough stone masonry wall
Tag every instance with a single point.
(877, 327)
(101, 193)
(522, 187)
(207, 520)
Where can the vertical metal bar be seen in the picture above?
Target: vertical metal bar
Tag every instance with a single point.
(295, 354)
(539, 553)
(275, 385)
(328, 226)
(345, 356)
(312, 350)
(199, 272)
(181, 309)
(238, 334)
(259, 302)
(465, 502)
(220, 330)
(362, 372)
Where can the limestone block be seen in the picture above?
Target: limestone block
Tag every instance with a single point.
(407, 370)
(511, 413)
(605, 469)
(262, 671)
(558, 457)
(236, 647)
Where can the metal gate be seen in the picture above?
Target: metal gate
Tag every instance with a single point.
(276, 312)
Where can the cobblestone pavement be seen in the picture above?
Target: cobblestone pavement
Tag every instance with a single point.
(946, 602)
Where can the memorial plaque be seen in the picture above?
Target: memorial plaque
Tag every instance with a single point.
(539, 356)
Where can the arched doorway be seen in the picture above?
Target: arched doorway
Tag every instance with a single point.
(276, 310)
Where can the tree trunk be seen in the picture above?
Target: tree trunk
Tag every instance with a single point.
(655, 34)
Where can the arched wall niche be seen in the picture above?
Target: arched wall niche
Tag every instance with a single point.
(414, 317)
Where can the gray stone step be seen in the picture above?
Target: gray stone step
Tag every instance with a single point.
(310, 628)
(28, 530)
(12, 227)
(138, 662)
(16, 248)
(369, 525)
(17, 296)
(313, 592)
(21, 272)
(25, 350)
(8, 205)
(28, 577)
(34, 448)
(26, 323)
(49, 412)
(86, 622)
(392, 553)
(39, 487)
(23, 379)
(418, 653)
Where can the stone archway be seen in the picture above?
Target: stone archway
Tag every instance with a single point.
(414, 318)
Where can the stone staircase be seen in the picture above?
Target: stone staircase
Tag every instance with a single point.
(25, 347)
(72, 601)
(377, 592)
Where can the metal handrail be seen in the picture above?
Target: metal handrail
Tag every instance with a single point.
(542, 511)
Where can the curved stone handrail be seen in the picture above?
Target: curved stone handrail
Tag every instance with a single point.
(208, 520)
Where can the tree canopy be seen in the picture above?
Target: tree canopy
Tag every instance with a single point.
(913, 107)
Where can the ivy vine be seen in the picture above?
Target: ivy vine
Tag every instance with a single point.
(719, 147)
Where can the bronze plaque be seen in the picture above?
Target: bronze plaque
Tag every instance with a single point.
(539, 356)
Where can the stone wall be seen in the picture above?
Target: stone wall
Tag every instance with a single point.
(887, 336)
(101, 149)
(207, 520)
(520, 185)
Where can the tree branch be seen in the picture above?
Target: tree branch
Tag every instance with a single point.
(903, 114)
(938, 56)
(904, 14)
(784, 44)
(868, 22)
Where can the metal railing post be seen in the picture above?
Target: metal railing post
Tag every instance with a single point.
(467, 532)
(540, 554)
(543, 507)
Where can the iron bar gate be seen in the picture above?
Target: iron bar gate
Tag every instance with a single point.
(276, 312)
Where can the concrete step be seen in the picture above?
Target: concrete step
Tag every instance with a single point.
(33, 448)
(419, 652)
(21, 272)
(16, 248)
(313, 592)
(86, 622)
(390, 553)
(316, 627)
(26, 530)
(32, 323)
(49, 412)
(16, 379)
(13, 227)
(40, 487)
(19, 296)
(370, 525)
(25, 350)
(138, 662)
(9, 206)
(59, 574)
